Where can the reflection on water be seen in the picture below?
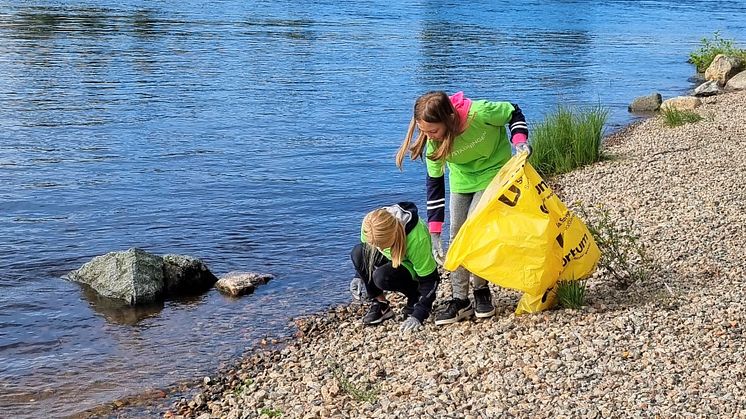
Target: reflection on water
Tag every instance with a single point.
(117, 311)
(253, 135)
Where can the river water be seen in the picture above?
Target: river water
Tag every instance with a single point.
(254, 135)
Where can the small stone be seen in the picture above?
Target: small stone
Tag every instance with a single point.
(241, 283)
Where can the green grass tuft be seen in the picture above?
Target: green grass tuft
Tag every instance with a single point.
(709, 48)
(360, 392)
(673, 117)
(270, 412)
(567, 139)
(571, 294)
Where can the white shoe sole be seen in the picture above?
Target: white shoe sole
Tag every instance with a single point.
(464, 314)
(484, 314)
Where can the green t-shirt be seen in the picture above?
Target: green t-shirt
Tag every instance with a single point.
(418, 258)
(479, 152)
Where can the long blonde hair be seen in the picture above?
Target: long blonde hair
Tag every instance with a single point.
(382, 230)
(434, 107)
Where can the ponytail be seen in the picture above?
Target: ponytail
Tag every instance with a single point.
(415, 149)
(383, 230)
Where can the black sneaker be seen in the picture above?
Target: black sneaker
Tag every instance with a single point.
(378, 312)
(483, 306)
(456, 310)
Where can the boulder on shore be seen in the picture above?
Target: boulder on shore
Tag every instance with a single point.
(708, 88)
(682, 103)
(737, 82)
(138, 277)
(722, 68)
(240, 283)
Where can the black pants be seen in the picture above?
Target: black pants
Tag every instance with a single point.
(382, 276)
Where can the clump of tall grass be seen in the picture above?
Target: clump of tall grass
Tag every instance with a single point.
(709, 48)
(567, 139)
(571, 293)
(673, 117)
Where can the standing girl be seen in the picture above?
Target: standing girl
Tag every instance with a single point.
(395, 255)
(469, 138)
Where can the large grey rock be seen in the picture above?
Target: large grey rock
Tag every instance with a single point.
(133, 276)
(649, 103)
(722, 68)
(186, 275)
(138, 277)
(709, 88)
(682, 103)
(240, 283)
(737, 82)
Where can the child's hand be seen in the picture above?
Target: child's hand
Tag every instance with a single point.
(523, 148)
(411, 324)
(438, 253)
(357, 289)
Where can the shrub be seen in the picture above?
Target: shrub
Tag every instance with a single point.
(571, 294)
(702, 58)
(623, 255)
(567, 139)
(673, 117)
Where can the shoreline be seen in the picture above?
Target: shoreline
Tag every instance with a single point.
(545, 364)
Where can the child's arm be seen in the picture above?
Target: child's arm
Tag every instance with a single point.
(436, 192)
(428, 288)
(426, 273)
(501, 113)
(518, 126)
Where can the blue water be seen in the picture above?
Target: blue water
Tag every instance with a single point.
(254, 135)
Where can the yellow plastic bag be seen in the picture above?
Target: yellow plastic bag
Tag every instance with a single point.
(521, 236)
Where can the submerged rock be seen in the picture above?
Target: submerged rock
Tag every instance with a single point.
(240, 283)
(649, 103)
(138, 277)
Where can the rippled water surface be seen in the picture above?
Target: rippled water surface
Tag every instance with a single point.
(254, 135)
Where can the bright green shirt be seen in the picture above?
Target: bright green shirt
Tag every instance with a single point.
(418, 257)
(479, 152)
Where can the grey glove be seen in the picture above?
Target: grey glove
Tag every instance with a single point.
(438, 253)
(411, 324)
(523, 148)
(357, 289)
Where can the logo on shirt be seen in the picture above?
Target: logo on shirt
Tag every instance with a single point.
(468, 146)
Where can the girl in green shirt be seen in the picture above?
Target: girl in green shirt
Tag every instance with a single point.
(469, 138)
(395, 255)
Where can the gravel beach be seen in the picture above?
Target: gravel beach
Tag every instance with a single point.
(671, 346)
